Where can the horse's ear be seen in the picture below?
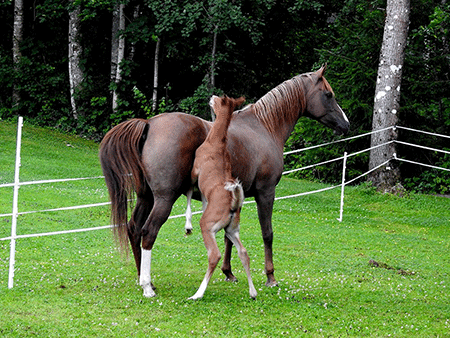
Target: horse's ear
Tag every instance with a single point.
(322, 70)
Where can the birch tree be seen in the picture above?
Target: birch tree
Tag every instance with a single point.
(75, 51)
(17, 40)
(120, 53)
(156, 75)
(387, 95)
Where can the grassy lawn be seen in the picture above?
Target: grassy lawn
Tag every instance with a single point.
(383, 271)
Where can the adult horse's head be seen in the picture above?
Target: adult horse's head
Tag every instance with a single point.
(322, 105)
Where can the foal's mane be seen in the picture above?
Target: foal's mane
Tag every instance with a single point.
(285, 102)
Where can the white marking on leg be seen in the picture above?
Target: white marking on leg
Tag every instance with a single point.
(145, 280)
(209, 238)
(201, 290)
(188, 225)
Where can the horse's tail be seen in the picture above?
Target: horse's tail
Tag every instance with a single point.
(120, 158)
(235, 187)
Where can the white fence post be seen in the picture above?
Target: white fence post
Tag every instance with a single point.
(15, 211)
(344, 167)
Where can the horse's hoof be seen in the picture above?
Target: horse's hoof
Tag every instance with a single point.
(148, 290)
(231, 279)
(188, 232)
(271, 283)
(149, 294)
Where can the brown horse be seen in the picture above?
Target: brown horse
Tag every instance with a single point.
(222, 194)
(154, 159)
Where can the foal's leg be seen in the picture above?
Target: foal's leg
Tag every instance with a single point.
(158, 216)
(233, 235)
(188, 225)
(226, 264)
(209, 237)
(265, 207)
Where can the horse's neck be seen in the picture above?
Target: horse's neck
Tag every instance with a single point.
(279, 110)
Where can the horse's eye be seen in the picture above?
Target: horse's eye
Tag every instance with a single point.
(328, 94)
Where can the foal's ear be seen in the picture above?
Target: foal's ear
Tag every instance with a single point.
(239, 101)
(322, 70)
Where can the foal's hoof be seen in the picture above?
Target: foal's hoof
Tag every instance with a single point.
(188, 232)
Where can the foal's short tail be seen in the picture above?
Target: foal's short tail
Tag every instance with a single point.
(238, 193)
(120, 157)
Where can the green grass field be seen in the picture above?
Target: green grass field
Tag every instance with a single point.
(383, 271)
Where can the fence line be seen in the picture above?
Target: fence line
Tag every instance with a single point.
(50, 181)
(337, 141)
(423, 132)
(17, 184)
(423, 147)
(422, 164)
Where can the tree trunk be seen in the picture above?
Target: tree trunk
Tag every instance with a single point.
(387, 95)
(17, 40)
(120, 54)
(75, 50)
(155, 75)
(114, 42)
(213, 68)
(133, 44)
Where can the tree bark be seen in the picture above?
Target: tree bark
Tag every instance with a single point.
(156, 75)
(114, 42)
(133, 44)
(120, 54)
(387, 96)
(213, 68)
(75, 50)
(17, 40)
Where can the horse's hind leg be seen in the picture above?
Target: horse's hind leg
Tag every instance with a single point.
(140, 214)
(158, 216)
(226, 264)
(188, 225)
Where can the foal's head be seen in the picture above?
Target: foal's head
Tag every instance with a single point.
(321, 103)
(224, 105)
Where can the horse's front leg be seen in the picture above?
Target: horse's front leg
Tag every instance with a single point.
(265, 207)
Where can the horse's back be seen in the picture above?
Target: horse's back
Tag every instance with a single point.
(169, 150)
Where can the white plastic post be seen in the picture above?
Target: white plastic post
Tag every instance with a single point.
(12, 254)
(344, 167)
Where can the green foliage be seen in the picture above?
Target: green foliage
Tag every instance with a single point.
(146, 105)
(162, 106)
(198, 104)
(260, 43)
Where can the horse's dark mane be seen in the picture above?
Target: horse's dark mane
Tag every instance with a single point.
(284, 103)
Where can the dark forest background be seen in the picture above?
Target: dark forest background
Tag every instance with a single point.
(259, 44)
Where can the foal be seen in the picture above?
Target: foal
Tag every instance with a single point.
(222, 194)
